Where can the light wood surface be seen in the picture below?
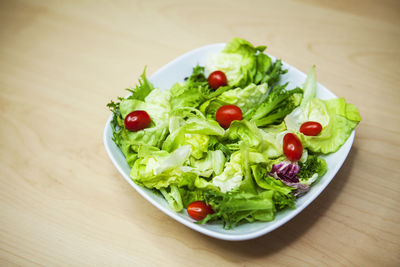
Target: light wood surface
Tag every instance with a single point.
(62, 202)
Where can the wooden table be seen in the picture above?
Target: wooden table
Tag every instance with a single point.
(62, 202)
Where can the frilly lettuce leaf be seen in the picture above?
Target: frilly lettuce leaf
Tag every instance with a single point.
(143, 89)
(311, 169)
(235, 207)
(192, 92)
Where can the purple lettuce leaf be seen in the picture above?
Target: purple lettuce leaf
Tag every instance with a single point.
(287, 171)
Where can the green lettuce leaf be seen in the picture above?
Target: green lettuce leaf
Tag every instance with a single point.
(192, 92)
(263, 65)
(157, 106)
(244, 64)
(282, 194)
(143, 89)
(199, 143)
(232, 175)
(272, 140)
(247, 184)
(273, 75)
(213, 163)
(237, 61)
(337, 118)
(245, 131)
(190, 195)
(160, 169)
(173, 197)
(155, 103)
(267, 182)
(309, 87)
(193, 129)
(130, 142)
(279, 103)
(234, 208)
(311, 169)
(267, 141)
(245, 98)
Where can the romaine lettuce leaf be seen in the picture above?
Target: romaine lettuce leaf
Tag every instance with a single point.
(279, 103)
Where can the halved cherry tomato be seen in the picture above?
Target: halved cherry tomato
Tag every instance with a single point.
(217, 79)
(292, 147)
(228, 113)
(137, 120)
(311, 128)
(198, 210)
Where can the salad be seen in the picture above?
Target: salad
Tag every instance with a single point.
(230, 143)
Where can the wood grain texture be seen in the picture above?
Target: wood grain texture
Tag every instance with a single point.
(62, 202)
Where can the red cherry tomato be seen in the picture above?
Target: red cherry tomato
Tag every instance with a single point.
(217, 79)
(137, 120)
(311, 128)
(228, 113)
(292, 147)
(198, 210)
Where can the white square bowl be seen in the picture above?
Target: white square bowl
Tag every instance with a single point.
(177, 70)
